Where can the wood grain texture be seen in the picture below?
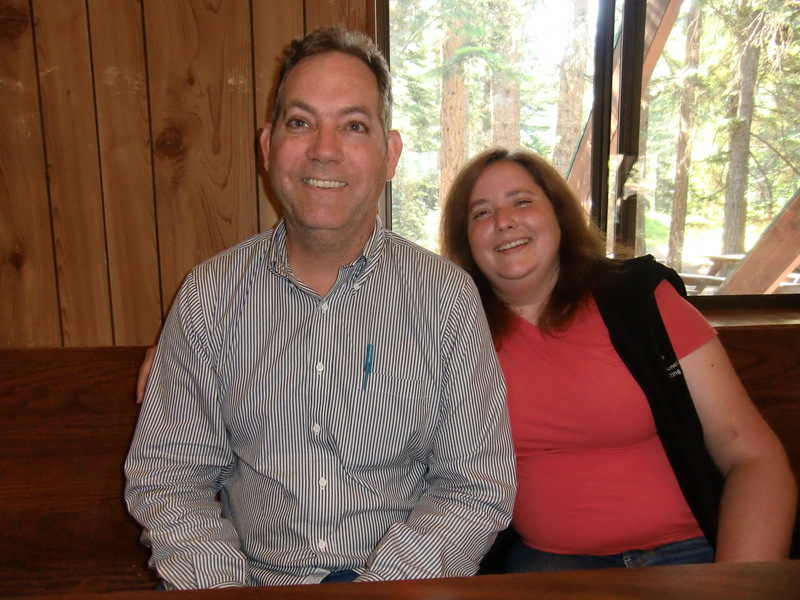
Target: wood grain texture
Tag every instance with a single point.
(69, 414)
(117, 37)
(128, 153)
(778, 580)
(201, 90)
(767, 359)
(324, 13)
(29, 313)
(67, 96)
(274, 26)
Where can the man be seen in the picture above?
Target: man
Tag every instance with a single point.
(325, 401)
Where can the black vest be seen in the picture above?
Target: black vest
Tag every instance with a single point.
(627, 304)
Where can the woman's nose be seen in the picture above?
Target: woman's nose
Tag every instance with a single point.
(503, 219)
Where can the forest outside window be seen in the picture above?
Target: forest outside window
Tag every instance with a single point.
(695, 103)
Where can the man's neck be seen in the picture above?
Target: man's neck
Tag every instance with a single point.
(316, 259)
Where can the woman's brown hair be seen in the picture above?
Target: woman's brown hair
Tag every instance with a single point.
(581, 253)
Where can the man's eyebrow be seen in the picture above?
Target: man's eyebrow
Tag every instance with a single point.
(344, 112)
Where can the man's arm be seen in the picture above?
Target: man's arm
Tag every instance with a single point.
(470, 479)
(180, 458)
(144, 373)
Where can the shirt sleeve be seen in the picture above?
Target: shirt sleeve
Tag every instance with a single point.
(686, 327)
(471, 474)
(180, 457)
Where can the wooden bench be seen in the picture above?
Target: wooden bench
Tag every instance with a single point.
(69, 414)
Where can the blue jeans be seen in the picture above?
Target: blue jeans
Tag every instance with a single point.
(524, 559)
(339, 577)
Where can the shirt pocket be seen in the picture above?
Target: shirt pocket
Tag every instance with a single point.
(391, 423)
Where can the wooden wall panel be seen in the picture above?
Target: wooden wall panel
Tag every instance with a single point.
(201, 91)
(117, 36)
(351, 13)
(128, 153)
(65, 79)
(29, 307)
(274, 25)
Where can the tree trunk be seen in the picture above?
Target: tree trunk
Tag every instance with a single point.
(685, 132)
(571, 88)
(505, 87)
(735, 215)
(453, 116)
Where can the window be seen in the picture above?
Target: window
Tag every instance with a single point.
(695, 103)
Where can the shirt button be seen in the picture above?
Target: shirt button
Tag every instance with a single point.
(319, 367)
(323, 307)
(323, 482)
(316, 428)
(322, 544)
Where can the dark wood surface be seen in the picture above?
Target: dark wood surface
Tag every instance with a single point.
(767, 359)
(68, 416)
(747, 581)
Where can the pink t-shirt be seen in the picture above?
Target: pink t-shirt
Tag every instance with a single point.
(592, 474)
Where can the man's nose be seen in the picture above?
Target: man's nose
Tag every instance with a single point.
(326, 146)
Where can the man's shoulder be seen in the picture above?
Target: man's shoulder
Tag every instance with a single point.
(223, 269)
(415, 256)
(239, 252)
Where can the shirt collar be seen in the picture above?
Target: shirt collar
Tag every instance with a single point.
(361, 266)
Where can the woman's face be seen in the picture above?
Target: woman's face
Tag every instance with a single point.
(513, 232)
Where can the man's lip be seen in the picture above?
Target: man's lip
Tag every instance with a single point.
(326, 184)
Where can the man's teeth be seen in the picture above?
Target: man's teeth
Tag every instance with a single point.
(325, 184)
(511, 245)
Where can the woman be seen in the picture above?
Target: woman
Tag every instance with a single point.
(600, 355)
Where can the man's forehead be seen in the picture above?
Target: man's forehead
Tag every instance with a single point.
(328, 83)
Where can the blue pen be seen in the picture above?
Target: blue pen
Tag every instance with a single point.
(367, 365)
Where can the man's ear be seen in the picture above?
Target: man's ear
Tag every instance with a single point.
(394, 145)
(264, 142)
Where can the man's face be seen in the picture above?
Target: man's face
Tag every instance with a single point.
(327, 156)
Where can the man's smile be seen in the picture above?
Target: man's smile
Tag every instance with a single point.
(322, 183)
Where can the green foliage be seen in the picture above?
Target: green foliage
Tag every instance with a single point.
(417, 33)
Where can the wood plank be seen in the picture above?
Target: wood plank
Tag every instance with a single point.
(274, 26)
(68, 114)
(127, 177)
(772, 258)
(29, 314)
(201, 85)
(772, 580)
(350, 13)
(69, 415)
(767, 359)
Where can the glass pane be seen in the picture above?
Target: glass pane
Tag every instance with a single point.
(470, 74)
(717, 179)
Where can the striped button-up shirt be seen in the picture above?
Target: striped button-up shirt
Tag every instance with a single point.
(286, 435)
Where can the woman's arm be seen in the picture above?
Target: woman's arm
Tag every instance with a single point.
(759, 499)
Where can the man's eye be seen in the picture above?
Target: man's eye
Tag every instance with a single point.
(296, 124)
(357, 127)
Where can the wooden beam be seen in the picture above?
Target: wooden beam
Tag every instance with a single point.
(773, 257)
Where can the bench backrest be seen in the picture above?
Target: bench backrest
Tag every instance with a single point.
(69, 415)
